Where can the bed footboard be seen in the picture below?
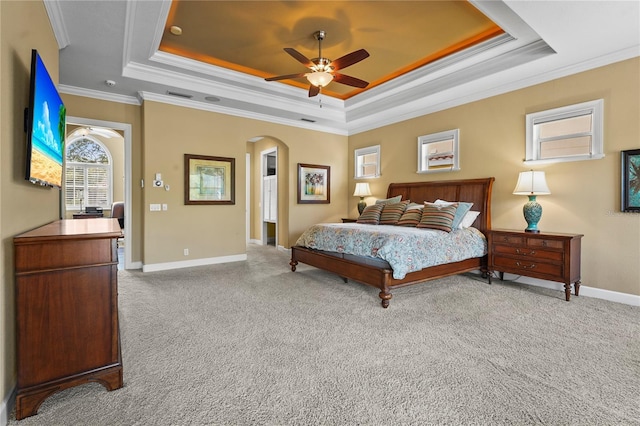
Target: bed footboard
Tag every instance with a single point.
(346, 269)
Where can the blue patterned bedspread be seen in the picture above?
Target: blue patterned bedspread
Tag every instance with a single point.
(405, 249)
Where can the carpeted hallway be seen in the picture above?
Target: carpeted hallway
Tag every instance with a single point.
(252, 343)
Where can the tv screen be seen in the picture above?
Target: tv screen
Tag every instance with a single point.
(45, 125)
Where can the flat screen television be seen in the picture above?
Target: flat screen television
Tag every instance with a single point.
(45, 126)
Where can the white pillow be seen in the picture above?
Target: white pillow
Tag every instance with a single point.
(468, 219)
(415, 206)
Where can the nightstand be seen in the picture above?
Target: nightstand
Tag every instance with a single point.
(547, 256)
(348, 220)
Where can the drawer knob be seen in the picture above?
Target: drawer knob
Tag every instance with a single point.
(531, 266)
(530, 253)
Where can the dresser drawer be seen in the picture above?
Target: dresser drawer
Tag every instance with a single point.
(545, 243)
(510, 239)
(527, 266)
(528, 252)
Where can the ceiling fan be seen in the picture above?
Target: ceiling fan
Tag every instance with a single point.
(323, 70)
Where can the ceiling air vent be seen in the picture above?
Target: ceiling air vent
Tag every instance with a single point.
(180, 95)
(308, 120)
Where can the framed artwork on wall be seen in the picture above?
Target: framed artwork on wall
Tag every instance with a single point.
(209, 180)
(630, 196)
(314, 184)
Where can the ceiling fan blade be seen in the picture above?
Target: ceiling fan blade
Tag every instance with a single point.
(349, 59)
(349, 81)
(313, 90)
(299, 57)
(286, 77)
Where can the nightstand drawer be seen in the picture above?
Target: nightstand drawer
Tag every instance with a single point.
(525, 253)
(510, 239)
(527, 266)
(545, 243)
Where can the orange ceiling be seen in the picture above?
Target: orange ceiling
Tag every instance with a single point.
(400, 36)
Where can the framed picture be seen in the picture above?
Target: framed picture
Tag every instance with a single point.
(630, 181)
(209, 180)
(314, 184)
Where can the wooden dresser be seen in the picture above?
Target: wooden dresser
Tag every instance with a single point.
(547, 256)
(67, 309)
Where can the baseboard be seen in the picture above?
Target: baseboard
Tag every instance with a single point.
(136, 265)
(257, 242)
(598, 293)
(7, 407)
(284, 249)
(195, 262)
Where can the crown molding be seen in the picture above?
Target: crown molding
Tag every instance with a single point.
(97, 94)
(57, 23)
(187, 103)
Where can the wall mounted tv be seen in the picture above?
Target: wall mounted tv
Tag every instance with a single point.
(45, 126)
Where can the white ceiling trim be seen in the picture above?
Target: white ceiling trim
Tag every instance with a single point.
(489, 86)
(235, 78)
(98, 94)
(57, 23)
(220, 90)
(167, 99)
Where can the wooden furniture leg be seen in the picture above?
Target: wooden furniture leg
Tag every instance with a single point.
(567, 291)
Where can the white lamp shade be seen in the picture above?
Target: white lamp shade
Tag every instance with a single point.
(362, 190)
(320, 78)
(531, 183)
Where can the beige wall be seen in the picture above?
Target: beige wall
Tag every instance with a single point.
(585, 195)
(219, 230)
(23, 206)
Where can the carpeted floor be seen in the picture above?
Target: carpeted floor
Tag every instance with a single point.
(251, 343)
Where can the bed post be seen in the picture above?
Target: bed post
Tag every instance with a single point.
(293, 261)
(385, 294)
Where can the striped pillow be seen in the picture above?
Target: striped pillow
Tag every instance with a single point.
(438, 216)
(371, 214)
(410, 218)
(391, 213)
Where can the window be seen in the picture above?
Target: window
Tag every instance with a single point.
(367, 162)
(569, 133)
(88, 171)
(438, 152)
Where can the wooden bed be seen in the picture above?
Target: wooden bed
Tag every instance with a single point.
(477, 191)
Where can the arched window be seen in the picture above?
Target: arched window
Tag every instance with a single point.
(88, 174)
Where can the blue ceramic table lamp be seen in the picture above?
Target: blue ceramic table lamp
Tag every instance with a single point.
(532, 184)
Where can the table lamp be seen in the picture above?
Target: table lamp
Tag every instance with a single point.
(362, 190)
(532, 184)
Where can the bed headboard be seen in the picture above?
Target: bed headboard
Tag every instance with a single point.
(476, 191)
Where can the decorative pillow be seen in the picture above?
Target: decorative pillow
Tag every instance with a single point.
(437, 216)
(371, 214)
(468, 219)
(462, 210)
(410, 218)
(391, 213)
(391, 200)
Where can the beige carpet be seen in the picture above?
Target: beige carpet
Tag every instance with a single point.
(252, 343)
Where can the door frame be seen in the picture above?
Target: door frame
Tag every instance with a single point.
(126, 129)
(263, 173)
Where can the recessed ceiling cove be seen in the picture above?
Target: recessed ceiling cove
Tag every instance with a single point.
(249, 36)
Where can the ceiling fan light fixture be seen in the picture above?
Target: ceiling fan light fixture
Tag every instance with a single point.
(319, 79)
